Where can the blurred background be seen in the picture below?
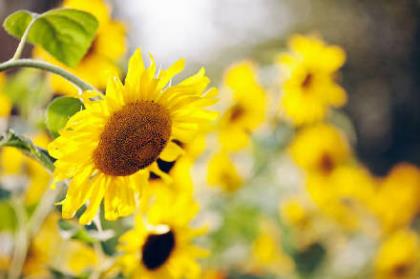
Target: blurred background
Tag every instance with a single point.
(381, 38)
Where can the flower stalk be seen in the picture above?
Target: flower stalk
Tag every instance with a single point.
(37, 64)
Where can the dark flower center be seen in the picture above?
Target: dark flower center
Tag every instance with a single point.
(236, 112)
(307, 81)
(401, 270)
(133, 138)
(157, 249)
(326, 163)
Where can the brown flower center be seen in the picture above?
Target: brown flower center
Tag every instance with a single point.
(326, 163)
(133, 138)
(157, 249)
(307, 81)
(236, 113)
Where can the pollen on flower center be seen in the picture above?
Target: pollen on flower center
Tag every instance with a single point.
(133, 138)
(157, 249)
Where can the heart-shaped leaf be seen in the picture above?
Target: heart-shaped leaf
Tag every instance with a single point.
(66, 34)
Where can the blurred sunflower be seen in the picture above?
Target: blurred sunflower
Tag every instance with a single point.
(308, 85)
(398, 257)
(222, 172)
(5, 102)
(248, 108)
(396, 201)
(100, 61)
(320, 149)
(160, 245)
(109, 148)
(43, 253)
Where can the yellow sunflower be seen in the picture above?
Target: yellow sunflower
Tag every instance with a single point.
(308, 84)
(5, 102)
(222, 172)
(398, 256)
(320, 149)
(396, 199)
(160, 245)
(107, 49)
(109, 148)
(248, 109)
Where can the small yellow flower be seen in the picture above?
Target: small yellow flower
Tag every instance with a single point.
(320, 149)
(5, 102)
(223, 173)
(248, 108)
(308, 86)
(267, 255)
(39, 177)
(344, 195)
(100, 61)
(398, 257)
(109, 148)
(397, 199)
(48, 249)
(160, 245)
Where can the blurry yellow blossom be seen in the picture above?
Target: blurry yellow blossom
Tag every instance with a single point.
(308, 83)
(100, 61)
(222, 172)
(397, 198)
(39, 177)
(267, 255)
(47, 249)
(5, 102)
(248, 108)
(344, 195)
(398, 257)
(320, 148)
(160, 245)
(295, 213)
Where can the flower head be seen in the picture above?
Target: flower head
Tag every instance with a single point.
(248, 108)
(398, 256)
(308, 86)
(109, 149)
(160, 245)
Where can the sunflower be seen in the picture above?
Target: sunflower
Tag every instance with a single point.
(396, 199)
(5, 102)
(222, 172)
(109, 148)
(248, 109)
(160, 244)
(308, 84)
(107, 49)
(320, 149)
(398, 256)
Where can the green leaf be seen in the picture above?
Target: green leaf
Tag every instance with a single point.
(59, 111)
(66, 34)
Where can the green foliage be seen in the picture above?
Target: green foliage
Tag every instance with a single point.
(65, 33)
(7, 217)
(59, 111)
(29, 93)
(309, 260)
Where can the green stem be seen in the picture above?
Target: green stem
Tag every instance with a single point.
(32, 63)
(21, 240)
(10, 138)
(22, 42)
